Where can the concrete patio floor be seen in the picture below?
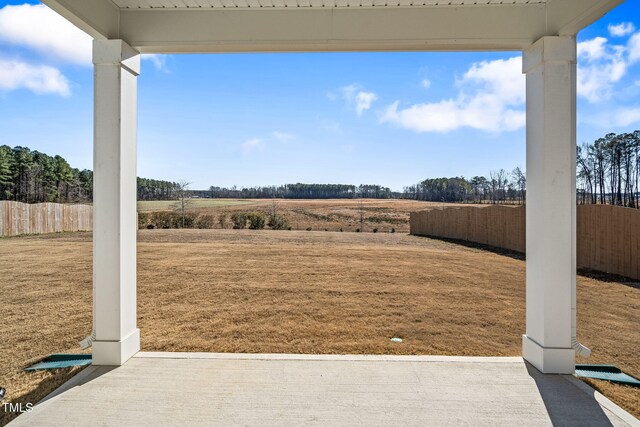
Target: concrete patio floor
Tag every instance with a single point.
(292, 390)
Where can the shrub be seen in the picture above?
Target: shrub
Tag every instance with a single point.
(375, 230)
(308, 228)
(143, 220)
(169, 219)
(239, 220)
(357, 230)
(341, 229)
(257, 220)
(188, 220)
(393, 230)
(222, 219)
(205, 221)
(278, 223)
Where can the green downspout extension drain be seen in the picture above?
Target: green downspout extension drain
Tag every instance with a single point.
(59, 361)
(607, 373)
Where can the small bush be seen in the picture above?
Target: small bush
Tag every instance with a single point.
(393, 230)
(169, 219)
(222, 220)
(278, 223)
(357, 230)
(205, 221)
(143, 219)
(308, 228)
(239, 220)
(341, 229)
(375, 230)
(257, 220)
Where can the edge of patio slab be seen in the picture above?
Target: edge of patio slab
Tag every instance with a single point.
(91, 371)
(328, 357)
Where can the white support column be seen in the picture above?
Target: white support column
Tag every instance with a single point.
(550, 67)
(116, 67)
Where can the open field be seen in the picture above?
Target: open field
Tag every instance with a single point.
(318, 214)
(296, 292)
(163, 205)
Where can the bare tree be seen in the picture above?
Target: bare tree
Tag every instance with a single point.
(520, 183)
(184, 199)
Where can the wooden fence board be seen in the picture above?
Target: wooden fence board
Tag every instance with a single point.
(21, 218)
(608, 237)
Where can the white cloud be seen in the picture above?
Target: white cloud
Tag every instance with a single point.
(357, 98)
(593, 49)
(425, 83)
(626, 116)
(602, 64)
(633, 47)
(158, 61)
(348, 92)
(283, 136)
(490, 98)
(252, 145)
(622, 29)
(40, 79)
(618, 117)
(39, 28)
(364, 101)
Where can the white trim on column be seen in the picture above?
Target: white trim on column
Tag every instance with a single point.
(550, 67)
(116, 67)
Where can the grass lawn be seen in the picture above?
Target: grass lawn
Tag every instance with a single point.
(296, 292)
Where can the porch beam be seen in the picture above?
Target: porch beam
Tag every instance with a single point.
(569, 17)
(550, 67)
(334, 29)
(98, 18)
(116, 67)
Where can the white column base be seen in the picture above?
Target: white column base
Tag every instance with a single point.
(549, 360)
(115, 353)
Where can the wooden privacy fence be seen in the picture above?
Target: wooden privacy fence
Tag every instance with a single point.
(22, 218)
(608, 237)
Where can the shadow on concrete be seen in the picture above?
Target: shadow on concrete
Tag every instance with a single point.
(566, 403)
(46, 387)
(87, 375)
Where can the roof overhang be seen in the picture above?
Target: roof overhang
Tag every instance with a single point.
(173, 26)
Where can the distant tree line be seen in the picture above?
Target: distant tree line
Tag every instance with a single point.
(608, 170)
(301, 191)
(34, 177)
(500, 187)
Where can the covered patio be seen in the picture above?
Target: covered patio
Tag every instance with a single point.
(332, 389)
(291, 390)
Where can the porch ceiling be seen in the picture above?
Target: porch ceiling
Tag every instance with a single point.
(216, 4)
(171, 26)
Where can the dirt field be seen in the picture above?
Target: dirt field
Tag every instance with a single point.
(319, 215)
(295, 292)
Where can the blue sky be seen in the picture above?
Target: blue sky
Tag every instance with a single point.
(261, 119)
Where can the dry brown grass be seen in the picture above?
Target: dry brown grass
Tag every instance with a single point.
(296, 292)
(320, 215)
